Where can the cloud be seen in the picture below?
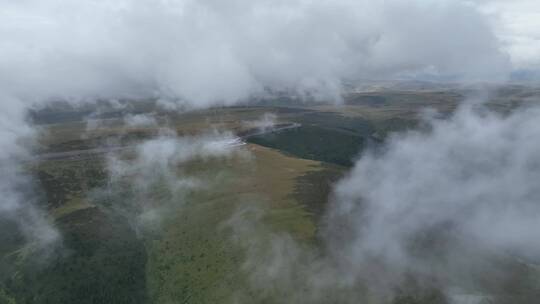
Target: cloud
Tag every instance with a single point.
(140, 120)
(18, 189)
(265, 122)
(207, 52)
(516, 25)
(154, 180)
(454, 203)
(19, 209)
(476, 172)
(450, 212)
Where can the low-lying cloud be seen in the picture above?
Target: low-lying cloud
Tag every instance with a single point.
(207, 52)
(266, 122)
(453, 196)
(450, 213)
(474, 173)
(156, 169)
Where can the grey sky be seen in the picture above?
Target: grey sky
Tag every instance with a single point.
(210, 51)
(517, 24)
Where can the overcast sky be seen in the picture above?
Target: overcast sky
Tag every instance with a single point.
(517, 24)
(209, 51)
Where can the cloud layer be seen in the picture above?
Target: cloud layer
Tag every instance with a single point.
(473, 176)
(465, 174)
(153, 181)
(202, 53)
(448, 214)
(207, 51)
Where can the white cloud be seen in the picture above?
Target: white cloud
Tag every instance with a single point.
(266, 122)
(467, 188)
(453, 210)
(207, 51)
(140, 120)
(158, 167)
(517, 24)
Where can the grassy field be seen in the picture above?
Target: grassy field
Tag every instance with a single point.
(99, 260)
(194, 261)
(75, 135)
(166, 247)
(188, 257)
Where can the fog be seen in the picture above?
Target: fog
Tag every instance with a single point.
(202, 53)
(471, 179)
(266, 122)
(207, 52)
(146, 184)
(475, 173)
(468, 180)
(446, 214)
